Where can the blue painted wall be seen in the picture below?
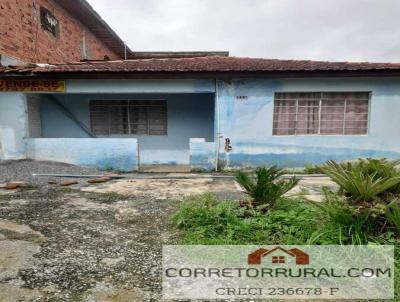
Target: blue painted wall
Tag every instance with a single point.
(141, 86)
(106, 153)
(189, 115)
(248, 123)
(13, 125)
(202, 154)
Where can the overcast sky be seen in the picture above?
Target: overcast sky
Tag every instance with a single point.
(336, 30)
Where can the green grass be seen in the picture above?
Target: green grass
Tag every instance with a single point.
(204, 220)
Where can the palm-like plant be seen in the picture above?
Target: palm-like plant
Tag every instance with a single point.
(265, 186)
(393, 214)
(364, 180)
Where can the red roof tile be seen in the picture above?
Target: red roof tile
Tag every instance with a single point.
(202, 64)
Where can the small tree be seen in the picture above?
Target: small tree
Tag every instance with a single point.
(265, 186)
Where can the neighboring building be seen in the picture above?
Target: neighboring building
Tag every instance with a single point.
(200, 112)
(55, 31)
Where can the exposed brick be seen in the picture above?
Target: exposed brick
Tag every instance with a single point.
(24, 38)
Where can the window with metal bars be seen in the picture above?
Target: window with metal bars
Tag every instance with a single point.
(128, 117)
(321, 113)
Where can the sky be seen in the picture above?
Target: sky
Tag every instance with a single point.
(333, 30)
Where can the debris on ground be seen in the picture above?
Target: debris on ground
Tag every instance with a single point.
(12, 185)
(23, 169)
(67, 183)
(111, 175)
(99, 180)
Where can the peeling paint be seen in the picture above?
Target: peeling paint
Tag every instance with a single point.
(13, 126)
(248, 123)
(107, 153)
(202, 154)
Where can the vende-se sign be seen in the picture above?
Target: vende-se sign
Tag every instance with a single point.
(32, 86)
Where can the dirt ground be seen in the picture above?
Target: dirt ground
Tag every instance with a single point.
(92, 243)
(89, 243)
(62, 245)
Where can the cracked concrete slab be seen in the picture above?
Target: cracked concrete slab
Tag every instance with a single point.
(15, 255)
(14, 231)
(163, 188)
(10, 293)
(104, 292)
(311, 187)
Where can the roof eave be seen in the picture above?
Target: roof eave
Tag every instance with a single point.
(203, 74)
(85, 13)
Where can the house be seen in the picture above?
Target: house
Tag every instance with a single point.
(279, 255)
(185, 113)
(55, 31)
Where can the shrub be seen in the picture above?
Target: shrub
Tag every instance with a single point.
(352, 222)
(202, 219)
(265, 186)
(392, 214)
(364, 180)
(364, 207)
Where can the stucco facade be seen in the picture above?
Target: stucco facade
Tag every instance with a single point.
(207, 112)
(248, 123)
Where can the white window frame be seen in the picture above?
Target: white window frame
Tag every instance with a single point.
(319, 114)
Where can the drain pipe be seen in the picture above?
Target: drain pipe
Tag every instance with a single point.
(217, 126)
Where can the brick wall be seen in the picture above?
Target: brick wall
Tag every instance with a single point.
(22, 35)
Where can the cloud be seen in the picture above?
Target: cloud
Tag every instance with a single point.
(339, 30)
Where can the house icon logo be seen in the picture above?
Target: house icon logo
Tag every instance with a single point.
(279, 255)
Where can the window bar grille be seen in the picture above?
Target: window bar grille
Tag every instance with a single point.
(148, 120)
(296, 117)
(109, 119)
(344, 116)
(319, 115)
(129, 118)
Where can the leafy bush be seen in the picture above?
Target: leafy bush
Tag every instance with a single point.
(203, 219)
(364, 180)
(265, 186)
(352, 222)
(393, 214)
(367, 205)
